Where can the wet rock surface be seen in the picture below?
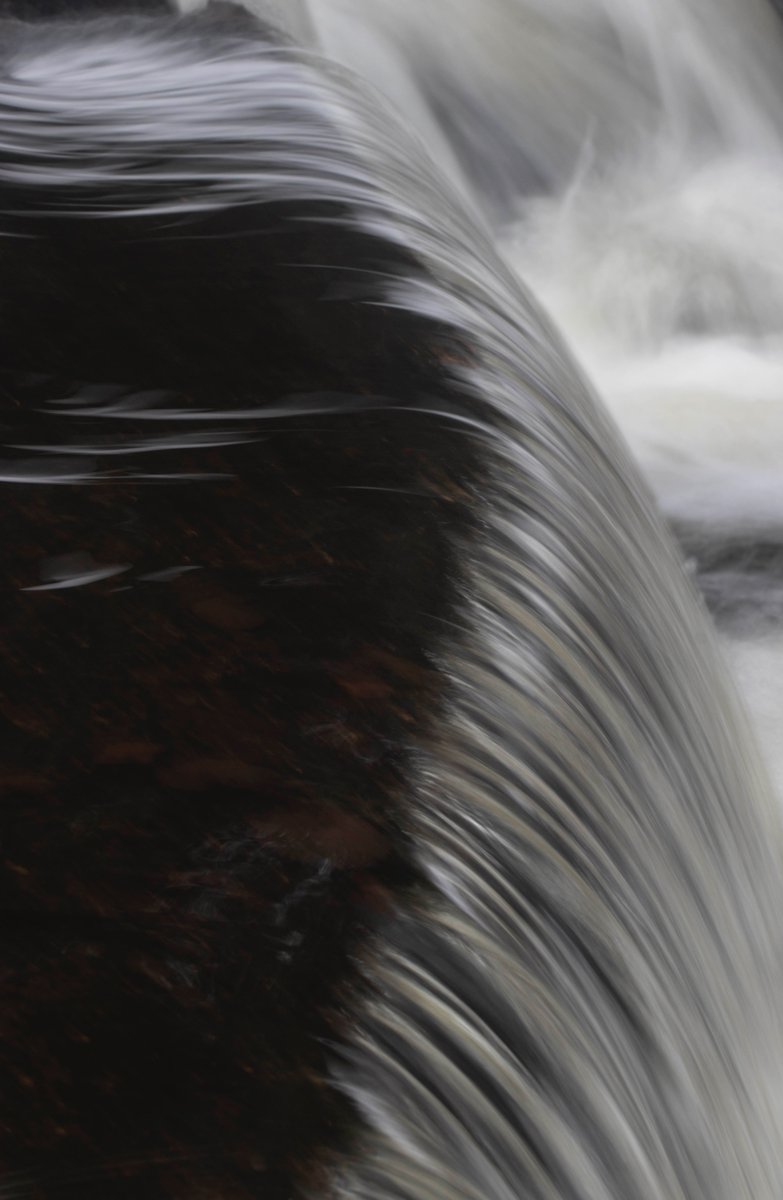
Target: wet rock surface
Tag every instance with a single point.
(219, 652)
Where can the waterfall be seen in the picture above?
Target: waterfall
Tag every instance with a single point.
(364, 733)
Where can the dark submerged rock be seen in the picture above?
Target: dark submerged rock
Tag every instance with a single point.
(205, 753)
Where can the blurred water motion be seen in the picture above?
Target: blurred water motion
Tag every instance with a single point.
(378, 819)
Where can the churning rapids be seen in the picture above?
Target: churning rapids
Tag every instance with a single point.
(578, 205)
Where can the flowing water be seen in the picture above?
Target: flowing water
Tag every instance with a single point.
(630, 156)
(582, 1003)
(589, 1009)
